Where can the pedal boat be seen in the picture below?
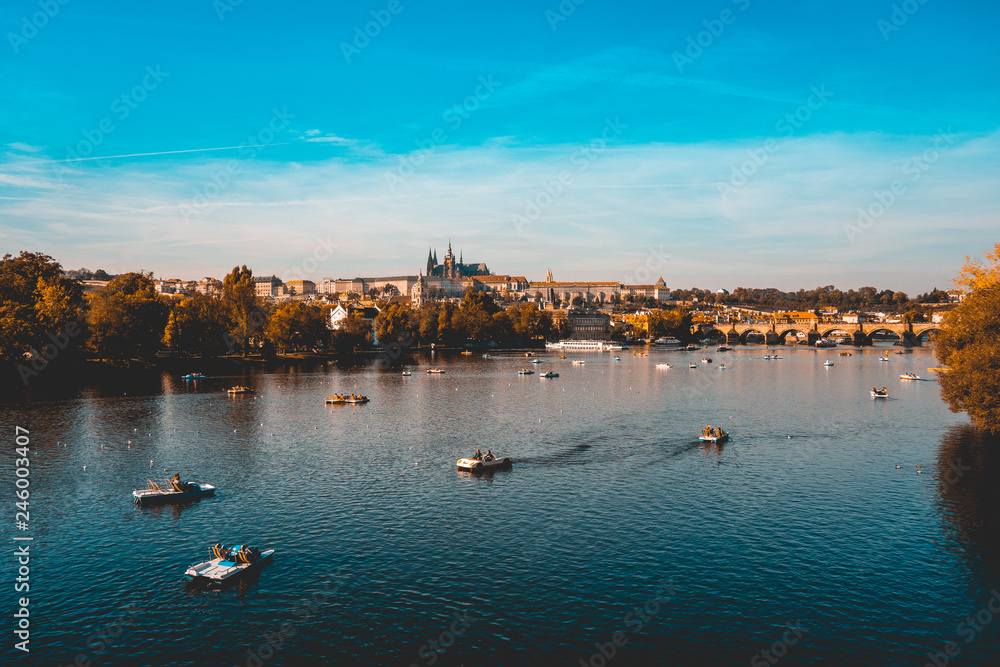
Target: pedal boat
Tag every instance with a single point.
(228, 564)
(346, 400)
(239, 390)
(193, 376)
(550, 374)
(717, 439)
(170, 493)
(909, 376)
(526, 371)
(879, 394)
(475, 465)
(435, 370)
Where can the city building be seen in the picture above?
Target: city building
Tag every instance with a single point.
(299, 287)
(268, 286)
(209, 286)
(453, 269)
(588, 324)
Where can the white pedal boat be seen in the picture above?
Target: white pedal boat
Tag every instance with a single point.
(475, 465)
(229, 563)
(155, 493)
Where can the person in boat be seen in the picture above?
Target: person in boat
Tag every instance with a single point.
(884, 390)
(478, 455)
(489, 456)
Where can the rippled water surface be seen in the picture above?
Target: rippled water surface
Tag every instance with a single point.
(614, 525)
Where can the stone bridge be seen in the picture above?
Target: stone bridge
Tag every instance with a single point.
(777, 333)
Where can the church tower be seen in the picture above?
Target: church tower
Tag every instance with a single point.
(548, 276)
(430, 263)
(450, 270)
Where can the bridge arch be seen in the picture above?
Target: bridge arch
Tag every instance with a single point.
(783, 334)
(840, 331)
(869, 335)
(743, 335)
(929, 332)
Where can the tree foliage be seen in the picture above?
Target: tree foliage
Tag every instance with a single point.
(35, 301)
(969, 345)
(127, 319)
(297, 325)
(197, 324)
(246, 311)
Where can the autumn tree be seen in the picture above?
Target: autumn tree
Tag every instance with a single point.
(246, 311)
(127, 319)
(297, 325)
(395, 323)
(40, 311)
(969, 345)
(198, 324)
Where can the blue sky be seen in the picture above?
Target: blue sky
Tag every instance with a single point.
(786, 144)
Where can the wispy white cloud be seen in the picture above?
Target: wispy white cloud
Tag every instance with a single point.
(784, 227)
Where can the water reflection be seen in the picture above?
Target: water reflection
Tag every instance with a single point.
(968, 468)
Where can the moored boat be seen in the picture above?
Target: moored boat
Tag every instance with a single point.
(664, 365)
(826, 342)
(170, 492)
(229, 563)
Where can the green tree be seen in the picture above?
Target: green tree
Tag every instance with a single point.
(127, 319)
(36, 301)
(394, 323)
(198, 324)
(246, 309)
(295, 325)
(355, 331)
(478, 309)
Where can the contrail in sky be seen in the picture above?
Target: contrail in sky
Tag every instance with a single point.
(189, 150)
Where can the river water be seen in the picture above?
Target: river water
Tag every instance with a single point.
(616, 537)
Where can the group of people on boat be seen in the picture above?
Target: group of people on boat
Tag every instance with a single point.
(344, 398)
(710, 432)
(245, 554)
(478, 456)
(883, 392)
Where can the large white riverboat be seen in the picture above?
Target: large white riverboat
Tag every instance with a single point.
(585, 345)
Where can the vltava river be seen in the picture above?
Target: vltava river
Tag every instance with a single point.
(616, 538)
